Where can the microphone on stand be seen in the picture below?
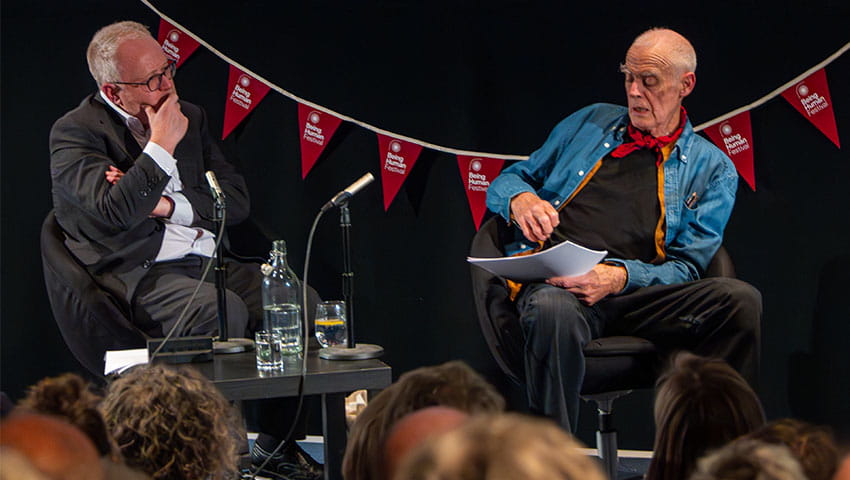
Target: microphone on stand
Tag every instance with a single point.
(215, 188)
(225, 344)
(343, 196)
(351, 350)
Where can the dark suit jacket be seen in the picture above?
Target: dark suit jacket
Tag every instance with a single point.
(108, 226)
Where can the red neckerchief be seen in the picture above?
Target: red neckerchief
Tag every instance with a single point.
(645, 140)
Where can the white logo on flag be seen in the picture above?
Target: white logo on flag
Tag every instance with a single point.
(169, 47)
(477, 181)
(239, 95)
(734, 143)
(395, 163)
(812, 102)
(312, 133)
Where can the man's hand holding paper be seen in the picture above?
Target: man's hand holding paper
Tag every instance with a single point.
(601, 281)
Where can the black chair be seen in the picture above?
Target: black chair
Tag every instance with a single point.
(91, 319)
(614, 365)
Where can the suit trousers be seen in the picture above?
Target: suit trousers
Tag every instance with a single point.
(713, 317)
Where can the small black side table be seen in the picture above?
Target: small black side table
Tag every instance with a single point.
(237, 377)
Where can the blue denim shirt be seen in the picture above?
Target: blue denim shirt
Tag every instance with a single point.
(699, 190)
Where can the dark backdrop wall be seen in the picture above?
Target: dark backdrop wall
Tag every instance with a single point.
(487, 76)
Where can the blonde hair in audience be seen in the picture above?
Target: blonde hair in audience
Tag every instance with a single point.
(747, 459)
(500, 447)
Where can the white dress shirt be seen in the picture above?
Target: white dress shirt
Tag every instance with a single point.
(179, 239)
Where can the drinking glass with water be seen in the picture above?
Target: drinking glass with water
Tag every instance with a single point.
(268, 349)
(330, 324)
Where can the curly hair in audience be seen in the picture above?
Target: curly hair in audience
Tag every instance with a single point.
(72, 398)
(812, 445)
(700, 404)
(451, 384)
(173, 424)
(747, 459)
(500, 447)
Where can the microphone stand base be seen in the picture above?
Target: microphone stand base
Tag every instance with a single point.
(233, 345)
(363, 351)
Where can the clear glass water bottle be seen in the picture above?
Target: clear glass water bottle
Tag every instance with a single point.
(282, 300)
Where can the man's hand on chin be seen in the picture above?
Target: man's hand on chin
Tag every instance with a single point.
(167, 123)
(598, 283)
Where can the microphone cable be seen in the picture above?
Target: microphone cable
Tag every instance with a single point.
(206, 271)
(305, 340)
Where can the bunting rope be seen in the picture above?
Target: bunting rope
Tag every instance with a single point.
(777, 92)
(346, 118)
(455, 151)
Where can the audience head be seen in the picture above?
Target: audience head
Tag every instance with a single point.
(812, 446)
(497, 447)
(452, 384)
(52, 446)
(700, 404)
(172, 424)
(15, 466)
(70, 397)
(843, 472)
(747, 459)
(415, 428)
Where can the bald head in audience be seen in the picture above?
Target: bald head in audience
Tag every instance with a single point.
(412, 430)
(54, 447)
(452, 384)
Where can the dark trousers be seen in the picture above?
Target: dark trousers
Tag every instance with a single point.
(164, 292)
(713, 317)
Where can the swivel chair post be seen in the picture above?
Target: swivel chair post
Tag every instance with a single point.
(606, 434)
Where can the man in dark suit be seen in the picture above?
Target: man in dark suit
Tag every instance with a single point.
(129, 190)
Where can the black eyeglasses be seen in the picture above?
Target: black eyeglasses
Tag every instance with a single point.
(155, 81)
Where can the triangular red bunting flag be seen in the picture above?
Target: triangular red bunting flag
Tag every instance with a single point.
(397, 159)
(176, 44)
(735, 137)
(811, 98)
(477, 173)
(244, 94)
(317, 129)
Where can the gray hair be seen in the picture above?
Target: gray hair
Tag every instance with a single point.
(101, 52)
(681, 53)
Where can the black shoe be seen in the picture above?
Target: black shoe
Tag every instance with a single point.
(290, 463)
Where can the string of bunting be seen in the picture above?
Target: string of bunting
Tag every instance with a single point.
(732, 132)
